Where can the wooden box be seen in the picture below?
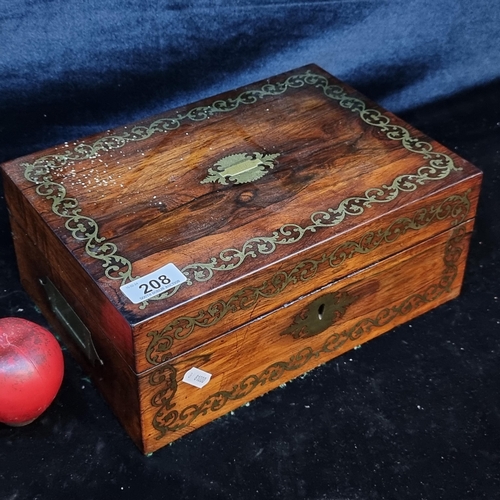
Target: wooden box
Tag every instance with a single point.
(199, 258)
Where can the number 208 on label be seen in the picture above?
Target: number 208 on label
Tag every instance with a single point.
(154, 283)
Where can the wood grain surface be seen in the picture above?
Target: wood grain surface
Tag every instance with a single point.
(343, 162)
(260, 355)
(267, 199)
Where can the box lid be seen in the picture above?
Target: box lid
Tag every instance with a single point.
(231, 187)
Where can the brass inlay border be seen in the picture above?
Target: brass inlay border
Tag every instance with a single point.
(168, 419)
(455, 207)
(116, 267)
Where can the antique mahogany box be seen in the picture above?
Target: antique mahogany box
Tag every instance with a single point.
(197, 259)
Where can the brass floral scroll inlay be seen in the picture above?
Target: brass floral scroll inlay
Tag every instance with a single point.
(435, 166)
(455, 207)
(240, 168)
(169, 419)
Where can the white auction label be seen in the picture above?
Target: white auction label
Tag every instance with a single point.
(197, 377)
(154, 283)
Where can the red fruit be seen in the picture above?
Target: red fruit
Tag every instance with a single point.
(31, 370)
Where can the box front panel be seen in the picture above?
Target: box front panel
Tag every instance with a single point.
(169, 335)
(269, 351)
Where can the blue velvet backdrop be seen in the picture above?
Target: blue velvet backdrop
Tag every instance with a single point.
(413, 415)
(69, 67)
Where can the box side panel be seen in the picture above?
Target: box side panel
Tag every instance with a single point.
(40, 255)
(259, 356)
(110, 373)
(170, 334)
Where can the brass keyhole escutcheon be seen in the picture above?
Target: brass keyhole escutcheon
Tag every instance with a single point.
(319, 315)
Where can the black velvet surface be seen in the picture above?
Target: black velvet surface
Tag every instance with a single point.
(414, 414)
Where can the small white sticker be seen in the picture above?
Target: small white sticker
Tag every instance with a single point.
(154, 283)
(197, 377)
